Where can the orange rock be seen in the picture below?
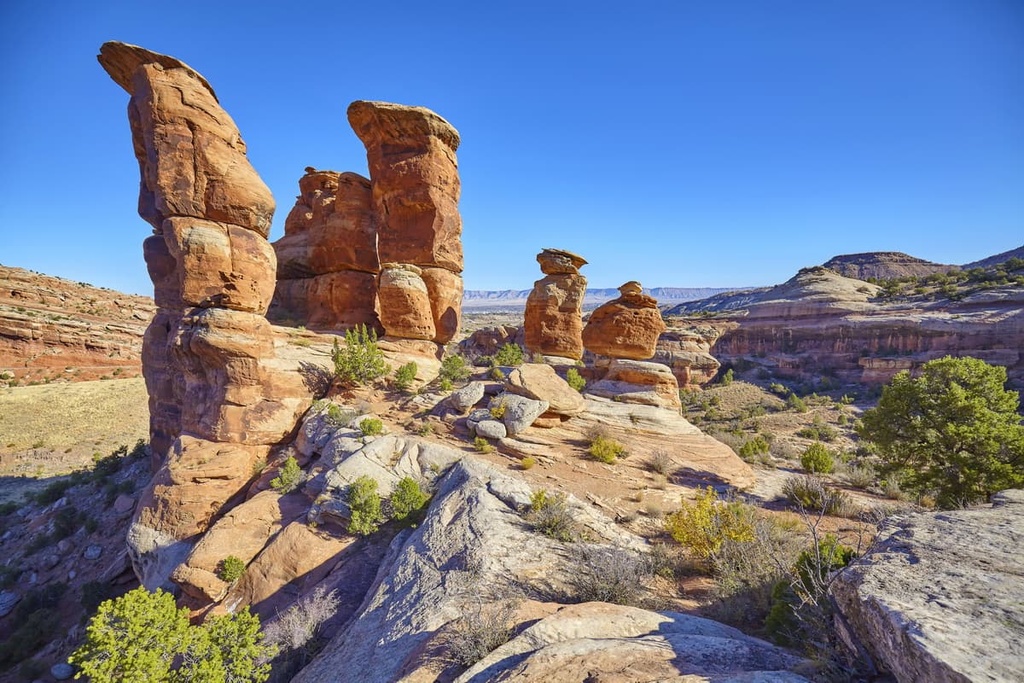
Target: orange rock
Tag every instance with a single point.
(444, 288)
(165, 383)
(415, 180)
(553, 322)
(560, 262)
(627, 327)
(405, 310)
(632, 381)
(342, 300)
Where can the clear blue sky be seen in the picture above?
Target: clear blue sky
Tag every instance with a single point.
(677, 143)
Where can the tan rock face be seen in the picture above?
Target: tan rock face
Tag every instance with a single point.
(627, 327)
(444, 289)
(540, 382)
(405, 303)
(688, 353)
(645, 383)
(560, 262)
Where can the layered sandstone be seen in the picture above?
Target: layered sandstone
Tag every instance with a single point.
(327, 261)
(414, 180)
(554, 310)
(627, 327)
(218, 401)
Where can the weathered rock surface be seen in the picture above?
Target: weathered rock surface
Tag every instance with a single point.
(464, 398)
(405, 310)
(554, 310)
(687, 352)
(821, 323)
(219, 396)
(599, 641)
(632, 381)
(540, 382)
(519, 412)
(327, 259)
(627, 327)
(469, 549)
(57, 330)
(938, 598)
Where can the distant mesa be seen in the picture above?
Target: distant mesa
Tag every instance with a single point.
(884, 265)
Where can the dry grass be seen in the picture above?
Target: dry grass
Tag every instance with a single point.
(53, 429)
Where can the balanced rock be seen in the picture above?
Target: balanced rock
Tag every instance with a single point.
(626, 327)
(553, 321)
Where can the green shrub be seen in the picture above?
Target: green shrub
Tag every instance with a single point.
(575, 379)
(53, 492)
(549, 515)
(702, 526)
(453, 369)
(371, 426)
(608, 574)
(527, 463)
(445, 385)
(364, 505)
(497, 375)
(860, 476)
(796, 403)
(509, 355)
(817, 459)
(143, 636)
(405, 376)
(288, 478)
(754, 447)
(810, 493)
(407, 498)
(606, 450)
(482, 445)
(727, 377)
(359, 361)
(230, 569)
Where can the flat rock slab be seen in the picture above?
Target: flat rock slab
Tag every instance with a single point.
(941, 596)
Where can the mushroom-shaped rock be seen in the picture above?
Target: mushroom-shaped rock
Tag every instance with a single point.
(553, 321)
(626, 327)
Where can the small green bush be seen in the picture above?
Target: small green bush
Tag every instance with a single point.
(702, 526)
(549, 515)
(509, 355)
(796, 403)
(810, 493)
(482, 445)
(817, 459)
(445, 385)
(405, 376)
(606, 450)
(407, 498)
(371, 426)
(860, 476)
(288, 478)
(364, 505)
(453, 369)
(754, 447)
(527, 463)
(727, 377)
(359, 361)
(230, 569)
(575, 379)
(497, 375)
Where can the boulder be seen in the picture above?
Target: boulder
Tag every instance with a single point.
(600, 641)
(490, 429)
(632, 381)
(938, 596)
(626, 327)
(405, 310)
(540, 382)
(519, 411)
(466, 397)
(559, 262)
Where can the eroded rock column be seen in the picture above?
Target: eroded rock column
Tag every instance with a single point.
(414, 179)
(554, 310)
(327, 261)
(217, 401)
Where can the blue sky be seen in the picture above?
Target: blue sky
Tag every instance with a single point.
(676, 143)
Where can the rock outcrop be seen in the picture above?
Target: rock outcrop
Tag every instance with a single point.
(415, 186)
(883, 265)
(938, 598)
(633, 381)
(53, 329)
(554, 309)
(627, 327)
(327, 261)
(218, 401)
(687, 352)
(820, 324)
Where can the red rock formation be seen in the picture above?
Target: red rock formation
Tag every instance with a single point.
(327, 259)
(217, 399)
(627, 327)
(405, 310)
(688, 353)
(554, 310)
(415, 185)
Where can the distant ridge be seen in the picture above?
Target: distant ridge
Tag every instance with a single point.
(884, 265)
(479, 298)
(996, 260)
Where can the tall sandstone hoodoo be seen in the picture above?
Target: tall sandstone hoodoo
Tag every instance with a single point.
(217, 400)
(554, 310)
(414, 178)
(627, 327)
